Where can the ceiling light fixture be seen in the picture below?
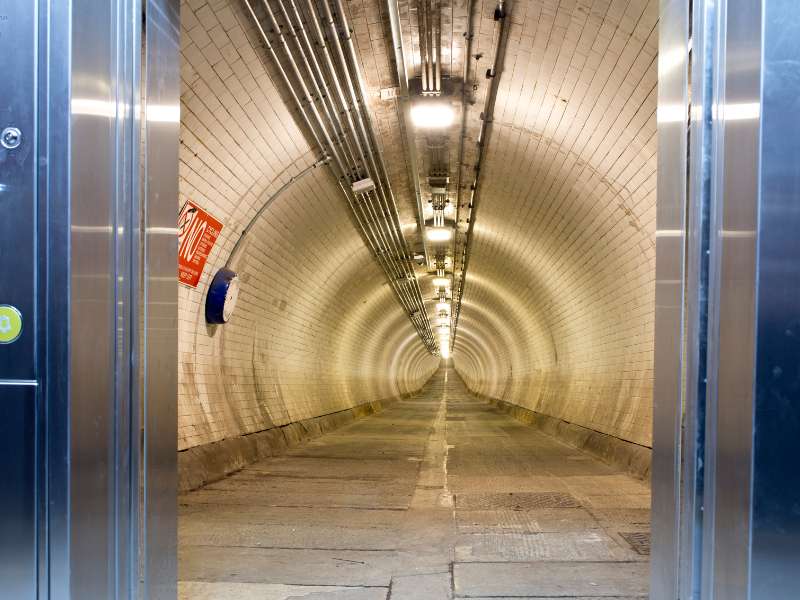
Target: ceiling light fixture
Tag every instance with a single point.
(441, 282)
(439, 234)
(443, 307)
(432, 115)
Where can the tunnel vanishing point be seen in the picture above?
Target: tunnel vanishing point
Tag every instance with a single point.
(474, 299)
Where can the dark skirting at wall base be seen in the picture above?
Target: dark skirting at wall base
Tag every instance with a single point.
(628, 456)
(207, 463)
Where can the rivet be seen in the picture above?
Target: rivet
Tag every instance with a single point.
(11, 138)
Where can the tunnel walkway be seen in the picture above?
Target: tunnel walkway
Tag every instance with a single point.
(437, 497)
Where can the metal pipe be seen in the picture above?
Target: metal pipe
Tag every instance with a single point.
(333, 149)
(268, 203)
(384, 242)
(289, 85)
(306, 52)
(406, 299)
(303, 86)
(380, 257)
(375, 213)
(363, 115)
(366, 117)
(482, 142)
(405, 116)
(429, 44)
(393, 242)
(388, 268)
(283, 74)
(390, 244)
(390, 208)
(346, 107)
(366, 227)
(357, 101)
(438, 58)
(464, 87)
(423, 51)
(334, 35)
(426, 19)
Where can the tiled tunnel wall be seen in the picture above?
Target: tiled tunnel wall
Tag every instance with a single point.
(558, 306)
(317, 329)
(559, 300)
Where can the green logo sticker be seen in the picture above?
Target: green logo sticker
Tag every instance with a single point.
(10, 324)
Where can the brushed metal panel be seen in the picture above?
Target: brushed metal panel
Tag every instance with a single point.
(18, 549)
(775, 531)
(670, 242)
(160, 387)
(54, 181)
(92, 310)
(17, 183)
(739, 123)
(104, 327)
(19, 392)
(700, 357)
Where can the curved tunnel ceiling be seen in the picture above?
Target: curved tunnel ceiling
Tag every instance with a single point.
(557, 307)
(557, 310)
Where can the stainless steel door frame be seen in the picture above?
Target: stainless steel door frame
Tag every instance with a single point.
(668, 390)
(727, 418)
(775, 521)
(756, 535)
(88, 256)
(160, 297)
(726, 568)
(124, 147)
(103, 288)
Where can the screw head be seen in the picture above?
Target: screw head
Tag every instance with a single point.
(11, 138)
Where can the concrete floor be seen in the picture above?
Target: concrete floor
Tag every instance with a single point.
(437, 497)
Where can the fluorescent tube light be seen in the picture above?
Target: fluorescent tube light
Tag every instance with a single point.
(439, 234)
(432, 115)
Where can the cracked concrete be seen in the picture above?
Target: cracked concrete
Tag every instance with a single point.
(438, 497)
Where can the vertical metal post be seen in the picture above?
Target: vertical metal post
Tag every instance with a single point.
(103, 156)
(160, 301)
(53, 116)
(699, 356)
(669, 311)
(733, 246)
(775, 537)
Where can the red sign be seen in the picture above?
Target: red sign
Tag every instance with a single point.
(197, 232)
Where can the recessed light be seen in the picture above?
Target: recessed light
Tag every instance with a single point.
(432, 115)
(439, 234)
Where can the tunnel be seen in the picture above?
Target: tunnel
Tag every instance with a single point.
(474, 299)
(363, 454)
